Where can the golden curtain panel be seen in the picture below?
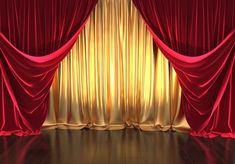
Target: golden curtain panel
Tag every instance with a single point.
(114, 77)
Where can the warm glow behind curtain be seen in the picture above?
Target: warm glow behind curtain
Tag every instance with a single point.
(114, 77)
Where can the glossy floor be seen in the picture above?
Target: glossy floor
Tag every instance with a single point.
(124, 146)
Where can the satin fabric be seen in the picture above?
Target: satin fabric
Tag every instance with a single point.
(114, 77)
(198, 38)
(34, 37)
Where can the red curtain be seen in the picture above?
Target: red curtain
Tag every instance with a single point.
(34, 37)
(198, 38)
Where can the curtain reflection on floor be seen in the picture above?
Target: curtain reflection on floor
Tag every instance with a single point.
(126, 146)
(23, 150)
(123, 146)
(115, 77)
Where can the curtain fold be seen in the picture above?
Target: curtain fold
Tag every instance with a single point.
(114, 77)
(34, 37)
(198, 38)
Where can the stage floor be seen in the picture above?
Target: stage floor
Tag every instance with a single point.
(122, 146)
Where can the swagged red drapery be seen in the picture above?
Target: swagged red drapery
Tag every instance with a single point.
(34, 37)
(198, 38)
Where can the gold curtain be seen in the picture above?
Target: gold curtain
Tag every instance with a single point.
(114, 77)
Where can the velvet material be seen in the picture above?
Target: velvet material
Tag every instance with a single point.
(34, 37)
(198, 38)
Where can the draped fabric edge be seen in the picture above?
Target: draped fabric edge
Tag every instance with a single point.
(55, 57)
(176, 57)
(46, 59)
(39, 60)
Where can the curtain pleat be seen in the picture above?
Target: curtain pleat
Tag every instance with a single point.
(35, 36)
(198, 38)
(115, 77)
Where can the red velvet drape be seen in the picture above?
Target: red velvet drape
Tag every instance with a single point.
(34, 37)
(198, 38)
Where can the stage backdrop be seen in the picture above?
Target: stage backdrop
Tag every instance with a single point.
(198, 38)
(115, 77)
(34, 37)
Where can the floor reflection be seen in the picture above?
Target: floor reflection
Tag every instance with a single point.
(21, 150)
(124, 146)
